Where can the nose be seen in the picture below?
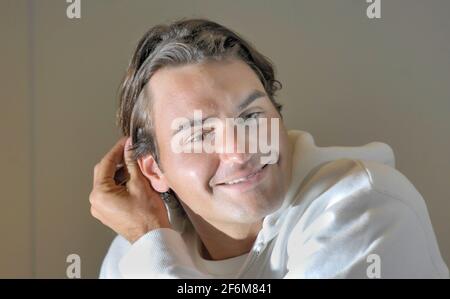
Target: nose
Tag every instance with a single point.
(232, 149)
(237, 158)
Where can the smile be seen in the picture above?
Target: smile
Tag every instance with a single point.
(245, 178)
(246, 182)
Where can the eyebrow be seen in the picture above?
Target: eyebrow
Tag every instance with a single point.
(250, 98)
(254, 95)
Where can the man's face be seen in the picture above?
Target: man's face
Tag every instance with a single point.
(226, 186)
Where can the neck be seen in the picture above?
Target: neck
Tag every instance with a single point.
(225, 240)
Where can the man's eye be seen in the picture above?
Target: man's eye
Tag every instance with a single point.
(252, 115)
(197, 137)
(200, 136)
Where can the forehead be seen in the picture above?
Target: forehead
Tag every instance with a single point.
(209, 85)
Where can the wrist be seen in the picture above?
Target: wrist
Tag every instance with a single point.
(135, 235)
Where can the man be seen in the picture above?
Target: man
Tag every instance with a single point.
(230, 213)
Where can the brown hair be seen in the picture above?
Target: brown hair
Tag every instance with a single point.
(181, 42)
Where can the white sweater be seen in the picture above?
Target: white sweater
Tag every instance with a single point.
(341, 218)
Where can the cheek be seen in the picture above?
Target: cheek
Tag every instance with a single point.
(189, 174)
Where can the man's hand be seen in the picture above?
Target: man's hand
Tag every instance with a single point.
(133, 209)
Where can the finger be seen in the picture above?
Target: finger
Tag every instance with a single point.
(105, 170)
(131, 163)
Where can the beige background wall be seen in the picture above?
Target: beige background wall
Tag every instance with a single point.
(347, 79)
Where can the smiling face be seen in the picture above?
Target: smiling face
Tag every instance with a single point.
(220, 186)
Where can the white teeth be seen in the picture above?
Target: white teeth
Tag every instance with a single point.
(236, 181)
(241, 179)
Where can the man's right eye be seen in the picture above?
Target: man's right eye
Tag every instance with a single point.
(197, 137)
(200, 136)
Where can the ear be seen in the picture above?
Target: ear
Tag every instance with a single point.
(151, 171)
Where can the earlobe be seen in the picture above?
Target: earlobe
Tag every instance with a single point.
(152, 172)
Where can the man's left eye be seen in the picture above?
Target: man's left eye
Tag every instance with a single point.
(252, 115)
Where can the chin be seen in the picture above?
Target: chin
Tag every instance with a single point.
(252, 210)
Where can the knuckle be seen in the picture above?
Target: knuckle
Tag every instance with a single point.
(96, 167)
(129, 164)
(93, 197)
(93, 212)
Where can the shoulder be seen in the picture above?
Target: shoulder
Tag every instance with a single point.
(110, 266)
(355, 208)
(362, 180)
(351, 189)
(394, 184)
